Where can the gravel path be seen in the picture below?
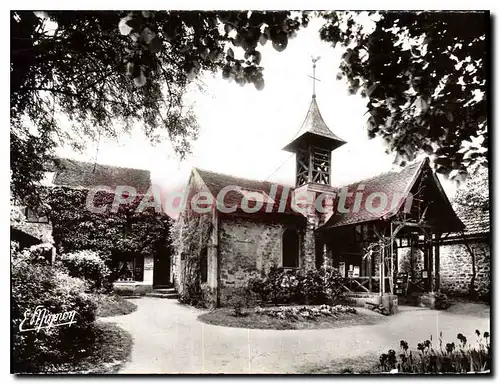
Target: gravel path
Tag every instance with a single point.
(169, 339)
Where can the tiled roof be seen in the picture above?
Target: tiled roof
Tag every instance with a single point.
(476, 221)
(395, 185)
(390, 183)
(80, 174)
(314, 125)
(215, 182)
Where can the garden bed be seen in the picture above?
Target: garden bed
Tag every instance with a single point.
(113, 305)
(292, 317)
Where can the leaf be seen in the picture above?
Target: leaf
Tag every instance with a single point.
(259, 84)
(156, 45)
(230, 53)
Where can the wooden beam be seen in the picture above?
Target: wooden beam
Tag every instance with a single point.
(430, 247)
(413, 224)
(437, 260)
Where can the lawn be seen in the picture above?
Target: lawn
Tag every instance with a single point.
(255, 320)
(107, 354)
(113, 305)
(462, 306)
(368, 364)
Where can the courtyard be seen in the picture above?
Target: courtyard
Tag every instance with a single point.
(169, 338)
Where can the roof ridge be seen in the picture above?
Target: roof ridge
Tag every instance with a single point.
(235, 177)
(417, 162)
(100, 164)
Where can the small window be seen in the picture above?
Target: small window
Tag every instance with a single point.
(290, 251)
(203, 265)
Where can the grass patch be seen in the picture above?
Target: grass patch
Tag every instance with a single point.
(225, 317)
(470, 308)
(113, 305)
(109, 352)
(355, 365)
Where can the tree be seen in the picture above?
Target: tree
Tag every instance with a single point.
(105, 70)
(474, 193)
(424, 74)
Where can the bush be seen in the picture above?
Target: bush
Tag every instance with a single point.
(87, 265)
(453, 359)
(192, 294)
(317, 286)
(441, 301)
(240, 299)
(36, 283)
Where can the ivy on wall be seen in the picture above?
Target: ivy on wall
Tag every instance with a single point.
(189, 236)
(75, 227)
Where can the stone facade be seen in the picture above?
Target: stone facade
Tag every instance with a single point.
(247, 248)
(456, 268)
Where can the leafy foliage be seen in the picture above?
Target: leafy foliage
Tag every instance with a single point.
(306, 313)
(453, 358)
(441, 301)
(190, 235)
(474, 194)
(315, 286)
(75, 74)
(424, 75)
(35, 283)
(89, 266)
(76, 228)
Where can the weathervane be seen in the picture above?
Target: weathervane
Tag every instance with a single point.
(314, 60)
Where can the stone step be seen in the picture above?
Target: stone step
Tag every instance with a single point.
(165, 290)
(163, 286)
(161, 295)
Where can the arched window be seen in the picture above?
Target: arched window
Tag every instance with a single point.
(290, 248)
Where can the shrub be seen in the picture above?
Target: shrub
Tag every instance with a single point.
(318, 286)
(87, 265)
(458, 358)
(192, 294)
(441, 301)
(35, 283)
(241, 298)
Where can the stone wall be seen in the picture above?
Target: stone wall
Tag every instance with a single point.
(456, 268)
(247, 248)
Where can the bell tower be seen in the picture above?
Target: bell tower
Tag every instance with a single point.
(313, 146)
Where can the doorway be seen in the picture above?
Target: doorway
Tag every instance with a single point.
(161, 269)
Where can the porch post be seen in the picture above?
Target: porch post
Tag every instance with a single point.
(411, 243)
(431, 263)
(370, 283)
(391, 277)
(437, 261)
(381, 273)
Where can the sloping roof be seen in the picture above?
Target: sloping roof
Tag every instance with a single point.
(395, 186)
(215, 182)
(476, 221)
(80, 174)
(392, 184)
(315, 126)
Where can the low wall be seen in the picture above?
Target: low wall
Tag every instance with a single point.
(390, 302)
(132, 288)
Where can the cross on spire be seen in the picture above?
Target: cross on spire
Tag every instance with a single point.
(314, 60)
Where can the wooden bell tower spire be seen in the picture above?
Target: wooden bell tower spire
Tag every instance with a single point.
(313, 145)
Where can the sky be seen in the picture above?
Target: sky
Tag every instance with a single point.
(242, 130)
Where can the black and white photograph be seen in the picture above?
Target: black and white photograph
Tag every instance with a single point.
(250, 191)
